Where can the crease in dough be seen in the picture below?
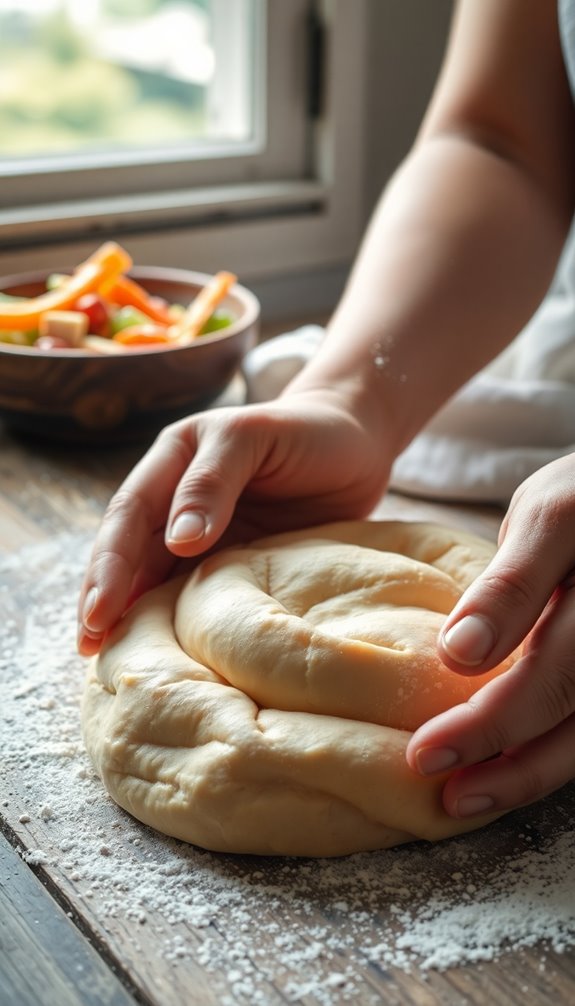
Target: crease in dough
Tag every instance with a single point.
(263, 705)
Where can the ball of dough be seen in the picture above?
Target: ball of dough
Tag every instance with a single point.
(264, 704)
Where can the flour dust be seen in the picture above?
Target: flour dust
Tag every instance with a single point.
(311, 930)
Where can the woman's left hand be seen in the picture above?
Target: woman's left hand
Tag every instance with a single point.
(514, 740)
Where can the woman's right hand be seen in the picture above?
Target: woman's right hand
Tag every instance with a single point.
(226, 476)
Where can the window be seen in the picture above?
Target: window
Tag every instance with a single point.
(207, 133)
(104, 77)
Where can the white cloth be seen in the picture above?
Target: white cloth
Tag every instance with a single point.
(514, 417)
(272, 364)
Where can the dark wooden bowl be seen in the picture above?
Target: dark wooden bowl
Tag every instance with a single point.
(79, 396)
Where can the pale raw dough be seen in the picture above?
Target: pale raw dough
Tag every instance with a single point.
(264, 704)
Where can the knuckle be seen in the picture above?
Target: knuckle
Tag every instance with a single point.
(495, 734)
(498, 738)
(167, 433)
(509, 585)
(125, 506)
(232, 421)
(120, 505)
(539, 508)
(528, 784)
(174, 440)
(556, 694)
(219, 427)
(207, 480)
(549, 510)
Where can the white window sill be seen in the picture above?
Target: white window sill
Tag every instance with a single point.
(128, 214)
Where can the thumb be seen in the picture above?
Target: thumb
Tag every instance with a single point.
(502, 605)
(228, 453)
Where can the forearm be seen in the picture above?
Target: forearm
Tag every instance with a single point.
(459, 255)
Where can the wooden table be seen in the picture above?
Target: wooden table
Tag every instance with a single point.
(227, 930)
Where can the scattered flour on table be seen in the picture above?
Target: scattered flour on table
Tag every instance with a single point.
(251, 923)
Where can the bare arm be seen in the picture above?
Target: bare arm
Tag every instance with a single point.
(466, 239)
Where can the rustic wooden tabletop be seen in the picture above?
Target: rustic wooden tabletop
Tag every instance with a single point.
(95, 908)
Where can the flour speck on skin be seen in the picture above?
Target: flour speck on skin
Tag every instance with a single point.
(310, 929)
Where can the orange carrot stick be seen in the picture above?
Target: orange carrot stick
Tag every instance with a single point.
(202, 307)
(107, 262)
(142, 335)
(125, 292)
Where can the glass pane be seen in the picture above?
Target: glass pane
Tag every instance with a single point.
(87, 76)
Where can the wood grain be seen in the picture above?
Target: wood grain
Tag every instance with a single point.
(46, 491)
(44, 958)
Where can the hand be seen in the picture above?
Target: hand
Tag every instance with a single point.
(524, 720)
(225, 476)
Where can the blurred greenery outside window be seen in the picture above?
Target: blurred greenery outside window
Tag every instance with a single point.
(105, 76)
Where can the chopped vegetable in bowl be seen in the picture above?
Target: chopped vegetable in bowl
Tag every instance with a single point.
(100, 309)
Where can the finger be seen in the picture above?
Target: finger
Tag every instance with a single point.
(230, 450)
(158, 566)
(135, 514)
(531, 698)
(518, 777)
(88, 644)
(498, 610)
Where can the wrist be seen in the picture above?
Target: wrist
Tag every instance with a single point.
(368, 386)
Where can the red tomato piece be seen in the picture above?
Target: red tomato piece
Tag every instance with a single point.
(97, 312)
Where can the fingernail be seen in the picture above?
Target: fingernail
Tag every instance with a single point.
(89, 633)
(89, 605)
(432, 760)
(467, 806)
(187, 527)
(470, 640)
(88, 641)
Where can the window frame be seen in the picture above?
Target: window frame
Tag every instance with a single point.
(272, 221)
(276, 148)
